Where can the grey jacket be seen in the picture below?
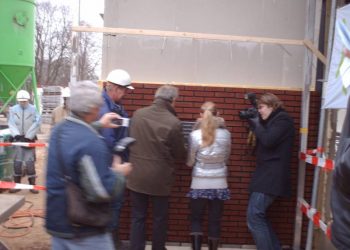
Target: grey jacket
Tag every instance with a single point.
(209, 162)
(24, 121)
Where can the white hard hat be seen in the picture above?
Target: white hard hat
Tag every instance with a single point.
(66, 92)
(120, 77)
(22, 96)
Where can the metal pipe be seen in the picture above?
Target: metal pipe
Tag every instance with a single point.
(304, 124)
(35, 90)
(321, 126)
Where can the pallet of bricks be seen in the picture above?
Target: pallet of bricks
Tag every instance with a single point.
(50, 99)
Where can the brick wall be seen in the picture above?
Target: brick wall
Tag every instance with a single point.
(229, 101)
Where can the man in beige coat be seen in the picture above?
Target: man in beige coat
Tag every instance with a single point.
(62, 111)
(159, 142)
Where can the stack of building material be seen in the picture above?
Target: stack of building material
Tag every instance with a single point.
(50, 99)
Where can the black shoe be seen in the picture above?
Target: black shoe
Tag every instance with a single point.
(33, 191)
(120, 245)
(14, 190)
(196, 241)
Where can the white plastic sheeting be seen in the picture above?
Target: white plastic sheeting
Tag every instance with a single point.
(187, 60)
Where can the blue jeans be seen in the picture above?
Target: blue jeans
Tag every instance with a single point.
(258, 224)
(99, 241)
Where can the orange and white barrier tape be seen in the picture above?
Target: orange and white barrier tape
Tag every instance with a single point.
(314, 151)
(23, 144)
(314, 215)
(13, 185)
(326, 164)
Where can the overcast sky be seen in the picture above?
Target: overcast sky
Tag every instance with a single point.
(89, 9)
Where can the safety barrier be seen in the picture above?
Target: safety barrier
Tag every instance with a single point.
(23, 144)
(314, 215)
(13, 185)
(326, 165)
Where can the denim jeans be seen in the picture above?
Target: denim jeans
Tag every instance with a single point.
(215, 208)
(100, 241)
(258, 224)
(139, 205)
(116, 207)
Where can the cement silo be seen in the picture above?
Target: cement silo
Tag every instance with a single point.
(17, 22)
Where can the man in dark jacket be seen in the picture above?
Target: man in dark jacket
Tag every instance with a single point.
(117, 85)
(340, 196)
(159, 142)
(274, 131)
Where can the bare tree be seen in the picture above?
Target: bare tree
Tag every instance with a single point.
(54, 50)
(89, 55)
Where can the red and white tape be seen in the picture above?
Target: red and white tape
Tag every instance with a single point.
(315, 216)
(23, 144)
(13, 185)
(314, 151)
(326, 164)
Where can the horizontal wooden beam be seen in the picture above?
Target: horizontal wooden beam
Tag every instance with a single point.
(205, 36)
(228, 85)
(187, 35)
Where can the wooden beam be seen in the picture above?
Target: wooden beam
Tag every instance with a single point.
(226, 85)
(314, 50)
(188, 35)
(205, 36)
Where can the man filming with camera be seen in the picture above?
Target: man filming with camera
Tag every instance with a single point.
(274, 131)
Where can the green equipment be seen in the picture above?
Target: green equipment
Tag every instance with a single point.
(17, 19)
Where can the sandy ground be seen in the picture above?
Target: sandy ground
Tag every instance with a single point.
(35, 237)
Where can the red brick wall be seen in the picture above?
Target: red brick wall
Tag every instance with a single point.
(229, 101)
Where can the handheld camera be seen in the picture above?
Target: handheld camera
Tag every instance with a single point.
(252, 111)
(124, 122)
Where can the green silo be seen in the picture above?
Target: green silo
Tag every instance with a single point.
(17, 22)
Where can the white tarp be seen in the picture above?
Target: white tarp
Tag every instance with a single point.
(337, 91)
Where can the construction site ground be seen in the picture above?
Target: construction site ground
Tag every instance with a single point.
(28, 232)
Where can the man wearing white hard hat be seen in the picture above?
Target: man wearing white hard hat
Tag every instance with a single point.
(24, 123)
(62, 111)
(117, 83)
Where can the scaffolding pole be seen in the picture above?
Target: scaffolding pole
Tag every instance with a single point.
(305, 105)
(321, 127)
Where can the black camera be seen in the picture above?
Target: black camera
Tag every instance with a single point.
(252, 111)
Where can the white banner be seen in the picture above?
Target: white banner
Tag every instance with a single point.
(338, 90)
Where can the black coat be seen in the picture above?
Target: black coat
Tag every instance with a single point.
(340, 195)
(275, 137)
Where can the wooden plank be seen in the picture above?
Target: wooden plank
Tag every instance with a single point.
(9, 204)
(314, 50)
(205, 36)
(187, 35)
(226, 85)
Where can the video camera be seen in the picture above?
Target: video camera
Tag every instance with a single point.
(252, 111)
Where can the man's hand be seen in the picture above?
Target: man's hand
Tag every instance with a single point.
(19, 138)
(25, 139)
(123, 168)
(106, 120)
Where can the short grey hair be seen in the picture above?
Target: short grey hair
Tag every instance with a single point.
(85, 95)
(167, 92)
